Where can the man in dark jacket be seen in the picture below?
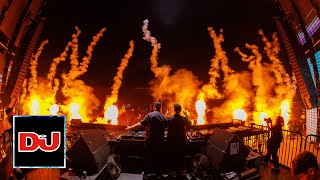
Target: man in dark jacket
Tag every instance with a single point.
(177, 126)
(154, 122)
(305, 166)
(273, 144)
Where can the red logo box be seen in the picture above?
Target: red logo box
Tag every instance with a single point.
(39, 142)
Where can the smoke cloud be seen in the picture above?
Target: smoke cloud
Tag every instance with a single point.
(181, 86)
(33, 82)
(75, 90)
(113, 98)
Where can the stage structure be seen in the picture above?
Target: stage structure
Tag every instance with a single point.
(298, 25)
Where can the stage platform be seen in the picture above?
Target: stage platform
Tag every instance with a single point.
(131, 145)
(265, 174)
(54, 174)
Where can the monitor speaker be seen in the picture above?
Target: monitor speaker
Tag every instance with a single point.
(90, 152)
(225, 151)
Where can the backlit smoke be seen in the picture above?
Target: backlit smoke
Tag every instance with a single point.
(113, 98)
(75, 90)
(286, 86)
(237, 92)
(154, 43)
(53, 68)
(32, 107)
(236, 87)
(275, 89)
(75, 54)
(159, 72)
(284, 81)
(47, 90)
(86, 60)
(23, 97)
(260, 75)
(44, 93)
(33, 81)
(181, 87)
(62, 57)
(55, 63)
(220, 53)
(268, 89)
(210, 90)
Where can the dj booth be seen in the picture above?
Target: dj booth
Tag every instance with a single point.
(102, 149)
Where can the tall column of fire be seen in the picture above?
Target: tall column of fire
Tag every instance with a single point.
(111, 110)
(81, 102)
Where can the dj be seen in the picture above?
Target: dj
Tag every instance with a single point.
(154, 122)
(177, 126)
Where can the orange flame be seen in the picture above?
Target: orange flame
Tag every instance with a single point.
(239, 89)
(285, 112)
(210, 90)
(113, 98)
(240, 114)
(178, 87)
(74, 89)
(201, 111)
(33, 68)
(280, 87)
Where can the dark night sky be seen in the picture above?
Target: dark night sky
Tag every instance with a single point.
(179, 25)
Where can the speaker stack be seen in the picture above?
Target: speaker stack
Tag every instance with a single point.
(90, 152)
(225, 151)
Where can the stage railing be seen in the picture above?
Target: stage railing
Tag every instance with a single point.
(312, 144)
(257, 143)
(258, 126)
(290, 146)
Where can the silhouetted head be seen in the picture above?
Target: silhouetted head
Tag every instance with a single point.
(157, 106)
(305, 166)
(9, 111)
(10, 114)
(280, 120)
(177, 108)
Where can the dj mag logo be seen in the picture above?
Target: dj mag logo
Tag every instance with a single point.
(39, 142)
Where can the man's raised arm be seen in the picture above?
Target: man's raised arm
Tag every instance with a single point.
(139, 125)
(134, 127)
